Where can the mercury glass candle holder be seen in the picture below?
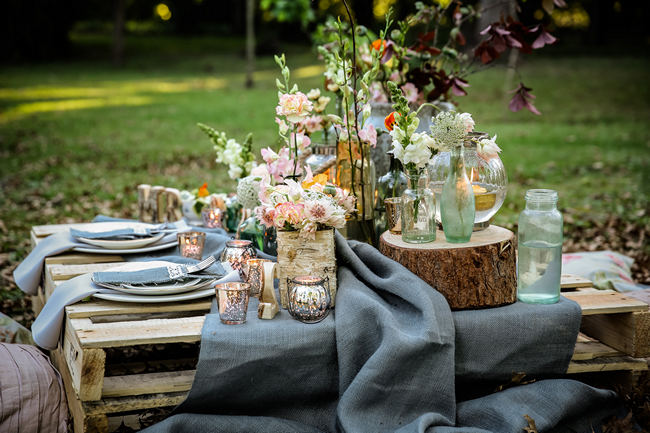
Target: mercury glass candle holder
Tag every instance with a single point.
(254, 270)
(237, 252)
(309, 299)
(191, 244)
(212, 217)
(233, 302)
(393, 214)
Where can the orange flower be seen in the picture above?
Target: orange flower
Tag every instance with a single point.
(319, 178)
(389, 121)
(379, 45)
(203, 191)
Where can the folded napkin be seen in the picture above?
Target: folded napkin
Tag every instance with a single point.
(159, 275)
(122, 233)
(46, 329)
(28, 274)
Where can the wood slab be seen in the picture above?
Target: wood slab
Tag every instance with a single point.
(477, 274)
(605, 302)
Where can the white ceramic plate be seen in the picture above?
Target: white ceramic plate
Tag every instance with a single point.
(123, 297)
(127, 244)
(167, 289)
(97, 250)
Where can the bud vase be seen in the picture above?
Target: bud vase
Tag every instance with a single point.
(457, 208)
(418, 211)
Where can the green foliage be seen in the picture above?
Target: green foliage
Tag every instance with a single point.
(289, 11)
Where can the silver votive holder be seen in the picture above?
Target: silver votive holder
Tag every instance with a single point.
(254, 270)
(309, 299)
(393, 214)
(233, 302)
(212, 217)
(237, 252)
(191, 244)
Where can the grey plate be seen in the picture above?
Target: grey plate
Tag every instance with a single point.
(162, 289)
(128, 244)
(123, 297)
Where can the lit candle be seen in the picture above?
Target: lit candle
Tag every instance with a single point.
(191, 244)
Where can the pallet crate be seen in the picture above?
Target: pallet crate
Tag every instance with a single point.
(103, 390)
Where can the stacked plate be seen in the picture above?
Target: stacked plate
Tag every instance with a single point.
(180, 290)
(122, 245)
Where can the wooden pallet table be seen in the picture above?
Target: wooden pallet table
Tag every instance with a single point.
(104, 390)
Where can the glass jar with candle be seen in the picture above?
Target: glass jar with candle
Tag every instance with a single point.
(539, 266)
(489, 180)
(237, 252)
(309, 300)
(390, 185)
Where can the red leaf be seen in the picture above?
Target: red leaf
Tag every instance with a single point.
(460, 39)
(544, 38)
(457, 85)
(522, 98)
(426, 37)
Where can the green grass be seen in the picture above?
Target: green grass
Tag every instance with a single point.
(76, 137)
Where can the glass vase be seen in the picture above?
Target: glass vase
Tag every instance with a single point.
(457, 209)
(357, 176)
(539, 268)
(488, 176)
(251, 230)
(392, 184)
(418, 211)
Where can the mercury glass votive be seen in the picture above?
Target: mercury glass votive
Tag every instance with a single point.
(393, 214)
(191, 244)
(233, 302)
(212, 217)
(237, 252)
(309, 299)
(254, 270)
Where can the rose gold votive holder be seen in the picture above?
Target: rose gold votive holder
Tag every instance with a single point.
(191, 244)
(212, 217)
(233, 302)
(254, 269)
(394, 214)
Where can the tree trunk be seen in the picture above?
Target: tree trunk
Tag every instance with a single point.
(250, 42)
(118, 32)
(477, 274)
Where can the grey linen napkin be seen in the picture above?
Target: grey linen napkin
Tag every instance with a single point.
(28, 273)
(158, 275)
(127, 232)
(46, 329)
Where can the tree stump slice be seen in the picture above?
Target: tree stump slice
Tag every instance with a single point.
(477, 274)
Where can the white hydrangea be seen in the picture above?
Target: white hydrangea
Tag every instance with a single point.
(449, 129)
(248, 190)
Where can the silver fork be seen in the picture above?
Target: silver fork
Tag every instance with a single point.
(201, 265)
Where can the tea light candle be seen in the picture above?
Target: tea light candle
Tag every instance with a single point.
(233, 302)
(212, 217)
(255, 275)
(237, 252)
(191, 244)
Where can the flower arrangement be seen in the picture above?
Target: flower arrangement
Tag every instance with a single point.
(318, 120)
(238, 157)
(305, 207)
(426, 56)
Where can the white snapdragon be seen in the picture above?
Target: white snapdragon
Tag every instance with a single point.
(418, 151)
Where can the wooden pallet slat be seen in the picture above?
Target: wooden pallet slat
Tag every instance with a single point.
(605, 302)
(569, 281)
(148, 383)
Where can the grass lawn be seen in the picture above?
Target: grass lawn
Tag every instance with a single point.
(77, 137)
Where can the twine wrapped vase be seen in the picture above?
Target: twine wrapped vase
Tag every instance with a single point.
(299, 256)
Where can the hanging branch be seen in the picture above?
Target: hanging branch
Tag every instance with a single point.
(356, 113)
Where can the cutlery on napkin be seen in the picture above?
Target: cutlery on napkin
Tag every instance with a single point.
(124, 233)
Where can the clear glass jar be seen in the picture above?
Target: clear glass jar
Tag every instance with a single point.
(489, 180)
(539, 266)
(418, 212)
(392, 184)
(251, 230)
(457, 207)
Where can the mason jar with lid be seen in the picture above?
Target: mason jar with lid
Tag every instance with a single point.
(539, 266)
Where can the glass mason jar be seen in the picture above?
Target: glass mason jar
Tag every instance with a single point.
(539, 266)
(418, 211)
(392, 184)
(349, 177)
(457, 200)
(489, 180)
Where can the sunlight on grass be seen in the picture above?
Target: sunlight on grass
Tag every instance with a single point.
(23, 110)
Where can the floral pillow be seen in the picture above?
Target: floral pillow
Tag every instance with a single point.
(607, 269)
(13, 332)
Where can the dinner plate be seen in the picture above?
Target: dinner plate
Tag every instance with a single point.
(123, 297)
(126, 244)
(149, 248)
(166, 289)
